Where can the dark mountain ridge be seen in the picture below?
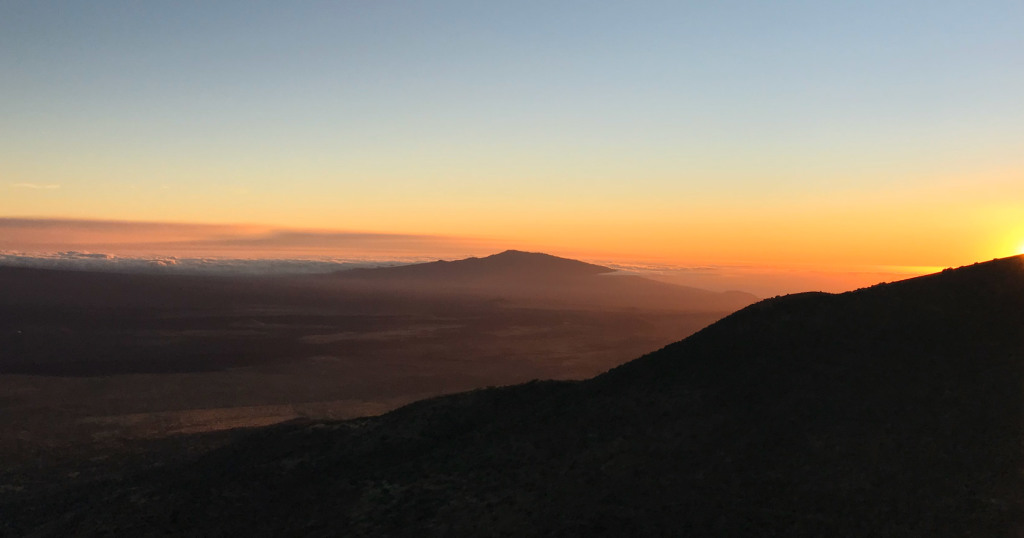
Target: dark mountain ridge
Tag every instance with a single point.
(507, 265)
(537, 278)
(63, 322)
(531, 279)
(894, 410)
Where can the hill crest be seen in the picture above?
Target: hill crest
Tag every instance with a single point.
(893, 410)
(510, 264)
(538, 278)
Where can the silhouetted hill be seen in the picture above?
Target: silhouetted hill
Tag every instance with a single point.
(529, 279)
(511, 265)
(889, 411)
(90, 323)
(536, 278)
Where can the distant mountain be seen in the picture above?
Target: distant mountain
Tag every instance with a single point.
(530, 279)
(894, 410)
(511, 265)
(541, 278)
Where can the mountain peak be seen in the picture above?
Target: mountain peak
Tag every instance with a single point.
(510, 264)
(541, 261)
(539, 278)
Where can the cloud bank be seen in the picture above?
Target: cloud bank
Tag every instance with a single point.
(136, 239)
(91, 261)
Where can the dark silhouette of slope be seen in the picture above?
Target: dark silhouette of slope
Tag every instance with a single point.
(889, 411)
(536, 278)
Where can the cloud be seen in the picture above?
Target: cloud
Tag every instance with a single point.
(51, 235)
(202, 240)
(35, 186)
(90, 261)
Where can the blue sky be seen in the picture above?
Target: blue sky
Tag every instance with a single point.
(462, 117)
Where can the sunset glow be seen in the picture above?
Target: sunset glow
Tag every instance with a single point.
(524, 268)
(827, 138)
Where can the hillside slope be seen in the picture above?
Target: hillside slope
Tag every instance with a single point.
(889, 411)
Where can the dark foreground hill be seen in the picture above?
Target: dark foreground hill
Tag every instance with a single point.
(889, 411)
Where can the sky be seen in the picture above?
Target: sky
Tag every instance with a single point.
(828, 136)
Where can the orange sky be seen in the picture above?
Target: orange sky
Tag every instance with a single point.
(951, 221)
(820, 138)
(813, 250)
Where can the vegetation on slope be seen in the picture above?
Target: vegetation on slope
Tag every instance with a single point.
(889, 411)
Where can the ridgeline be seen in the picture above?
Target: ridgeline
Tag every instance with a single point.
(888, 411)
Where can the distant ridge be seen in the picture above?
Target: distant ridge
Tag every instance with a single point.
(510, 264)
(894, 410)
(538, 278)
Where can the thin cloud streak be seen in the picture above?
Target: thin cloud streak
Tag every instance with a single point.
(205, 240)
(35, 186)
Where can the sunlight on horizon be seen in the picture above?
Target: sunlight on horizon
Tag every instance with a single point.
(665, 132)
(185, 247)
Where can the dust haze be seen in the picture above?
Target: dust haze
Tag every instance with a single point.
(92, 363)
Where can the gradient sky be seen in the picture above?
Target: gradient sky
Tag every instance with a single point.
(826, 134)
